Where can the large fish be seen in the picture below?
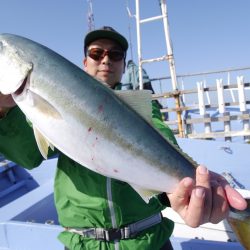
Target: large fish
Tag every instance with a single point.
(86, 120)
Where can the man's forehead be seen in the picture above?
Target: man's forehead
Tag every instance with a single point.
(104, 42)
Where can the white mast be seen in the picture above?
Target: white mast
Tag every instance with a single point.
(169, 57)
(170, 54)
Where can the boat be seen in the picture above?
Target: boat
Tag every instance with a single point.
(201, 117)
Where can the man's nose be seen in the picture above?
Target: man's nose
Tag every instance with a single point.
(106, 59)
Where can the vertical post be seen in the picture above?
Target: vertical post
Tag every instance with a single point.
(220, 94)
(207, 124)
(242, 102)
(246, 127)
(227, 125)
(189, 126)
(170, 58)
(168, 44)
(138, 31)
(200, 90)
(202, 108)
(222, 111)
(207, 93)
(241, 93)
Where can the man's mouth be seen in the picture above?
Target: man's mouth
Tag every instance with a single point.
(105, 70)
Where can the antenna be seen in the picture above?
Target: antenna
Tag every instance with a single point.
(90, 16)
(129, 29)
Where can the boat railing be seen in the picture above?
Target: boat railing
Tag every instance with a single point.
(212, 104)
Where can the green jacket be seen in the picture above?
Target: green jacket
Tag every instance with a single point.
(84, 198)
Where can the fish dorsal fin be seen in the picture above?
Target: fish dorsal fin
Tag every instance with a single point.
(42, 143)
(139, 100)
(145, 194)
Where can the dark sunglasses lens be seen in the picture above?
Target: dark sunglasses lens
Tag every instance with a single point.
(97, 53)
(116, 55)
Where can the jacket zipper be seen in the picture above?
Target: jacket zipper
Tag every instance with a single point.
(111, 209)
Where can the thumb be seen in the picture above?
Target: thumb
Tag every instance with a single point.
(179, 199)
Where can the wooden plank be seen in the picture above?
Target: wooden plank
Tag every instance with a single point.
(218, 134)
(192, 91)
(196, 107)
(218, 119)
(172, 122)
(212, 119)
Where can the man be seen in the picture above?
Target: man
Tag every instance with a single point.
(103, 213)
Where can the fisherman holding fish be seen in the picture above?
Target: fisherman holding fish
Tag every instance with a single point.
(100, 212)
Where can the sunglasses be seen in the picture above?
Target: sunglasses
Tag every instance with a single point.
(113, 54)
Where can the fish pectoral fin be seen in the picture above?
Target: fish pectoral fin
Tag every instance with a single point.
(145, 194)
(44, 107)
(42, 143)
(138, 100)
(51, 146)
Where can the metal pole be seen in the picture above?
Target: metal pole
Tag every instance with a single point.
(168, 44)
(172, 66)
(138, 31)
(91, 25)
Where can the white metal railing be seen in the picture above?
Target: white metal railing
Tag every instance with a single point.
(214, 105)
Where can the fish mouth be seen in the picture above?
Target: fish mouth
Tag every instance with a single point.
(23, 90)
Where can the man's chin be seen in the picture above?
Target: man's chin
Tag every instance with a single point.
(105, 81)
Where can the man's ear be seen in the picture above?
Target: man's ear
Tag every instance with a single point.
(124, 66)
(84, 62)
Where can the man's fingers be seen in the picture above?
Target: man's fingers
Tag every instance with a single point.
(202, 177)
(180, 197)
(220, 206)
(233, 197)
(203, 180)
(195, 212)
(206, 200)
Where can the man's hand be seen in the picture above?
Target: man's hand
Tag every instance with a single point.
(205, 200)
